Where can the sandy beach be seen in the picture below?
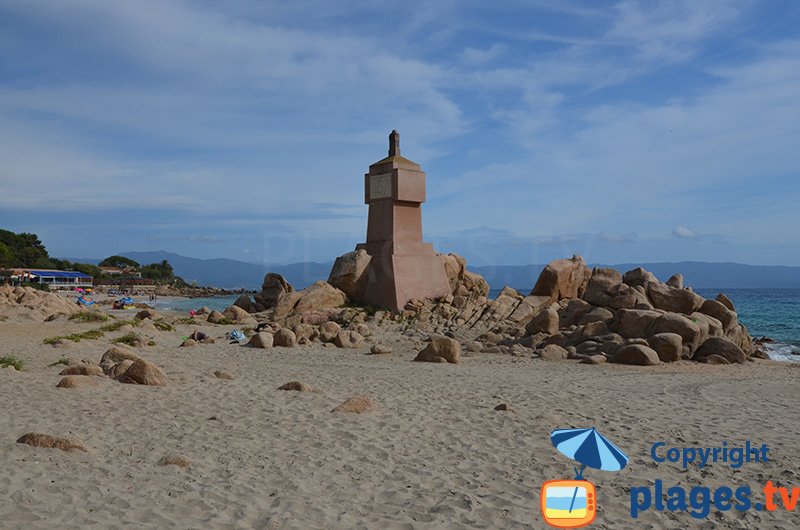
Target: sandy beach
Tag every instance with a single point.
(435, 453)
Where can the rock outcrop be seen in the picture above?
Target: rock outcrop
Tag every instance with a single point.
(349, 273)
(143, 372)
(273, 287)
(38, 305)
(440, 349)
(563, 278)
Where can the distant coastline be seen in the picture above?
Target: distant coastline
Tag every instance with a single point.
(233, 275)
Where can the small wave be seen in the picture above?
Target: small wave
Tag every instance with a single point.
(780, 351)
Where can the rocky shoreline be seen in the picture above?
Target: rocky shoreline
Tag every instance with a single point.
(573, 313)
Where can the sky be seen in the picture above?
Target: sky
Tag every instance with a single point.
(622, 131)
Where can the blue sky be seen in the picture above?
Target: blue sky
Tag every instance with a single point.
(624, 131)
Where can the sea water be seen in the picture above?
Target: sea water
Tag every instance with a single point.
(170, 303)
(774, 313)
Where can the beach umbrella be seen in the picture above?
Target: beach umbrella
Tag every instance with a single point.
(590, 448)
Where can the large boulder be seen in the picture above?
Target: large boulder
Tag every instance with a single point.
(285, 337)
(527, 308)
(639, 277)
(674, 300)
(473, 285)
(348, 339)
(562, 278)
(349, 272)
(722, 348)
(668, 346)
(741, 337)
(318, 296)
(262, 340)
(691, 332)
(636, 322)
(216, 317)
(718, 310)
(710, 325)
(245, 303)
(454, 268)
(676, 281)
(637, 354)
(143, 372)
(605, 289)
(545, 322)
(118, 370)
(328, 331)
(724, 300)
(116, 354)
(554, 352)
(357, 405)
(570, 312)
(152, 314)
(82, 369)
(239, 316)
(273, 287)
(597, 314)
(79, 381)
(440, 349)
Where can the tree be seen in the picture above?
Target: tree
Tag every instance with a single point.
(160, 272)
(23, 250)
(87, 268)
(7, 257)
(120, 262)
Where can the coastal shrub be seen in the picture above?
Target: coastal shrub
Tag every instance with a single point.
(163, 325)
(224, 321)
(92, 334)
(186, 321)
(114, 326)
(366, 309)
(132, 339)
(89, 316)
(3, 318)
(63, 360)
(10, 360)
(129, 338)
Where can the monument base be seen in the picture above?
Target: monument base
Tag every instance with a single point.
(399, 273)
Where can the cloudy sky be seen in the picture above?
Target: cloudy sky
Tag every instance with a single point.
(629, 131)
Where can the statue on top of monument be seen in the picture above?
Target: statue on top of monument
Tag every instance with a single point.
(394, 143)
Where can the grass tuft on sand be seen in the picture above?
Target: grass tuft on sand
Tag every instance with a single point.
(10, 360)
(89, 316)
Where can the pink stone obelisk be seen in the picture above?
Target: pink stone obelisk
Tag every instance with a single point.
(402, 266)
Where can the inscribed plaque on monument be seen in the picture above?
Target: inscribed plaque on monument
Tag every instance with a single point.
(380, 186)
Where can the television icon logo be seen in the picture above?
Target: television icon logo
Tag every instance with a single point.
(568, 503)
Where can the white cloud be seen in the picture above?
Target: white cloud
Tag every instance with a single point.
(683, 232)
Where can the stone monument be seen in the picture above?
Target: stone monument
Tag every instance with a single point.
(400, 265)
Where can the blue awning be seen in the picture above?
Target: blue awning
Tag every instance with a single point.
(60, 274)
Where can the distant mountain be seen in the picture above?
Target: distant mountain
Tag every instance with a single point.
(233, 274)
(228, 273)
(700, 275)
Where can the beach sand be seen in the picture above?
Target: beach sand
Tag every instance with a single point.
(435, 454)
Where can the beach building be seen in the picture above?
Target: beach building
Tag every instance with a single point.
(114, 271)
(55, 279)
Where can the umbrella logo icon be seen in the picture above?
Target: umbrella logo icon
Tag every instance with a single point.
(572, 503)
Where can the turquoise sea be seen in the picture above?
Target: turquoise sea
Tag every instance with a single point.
(219, 303)
(773, 313)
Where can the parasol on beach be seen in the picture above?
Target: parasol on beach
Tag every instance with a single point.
(590, 448)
